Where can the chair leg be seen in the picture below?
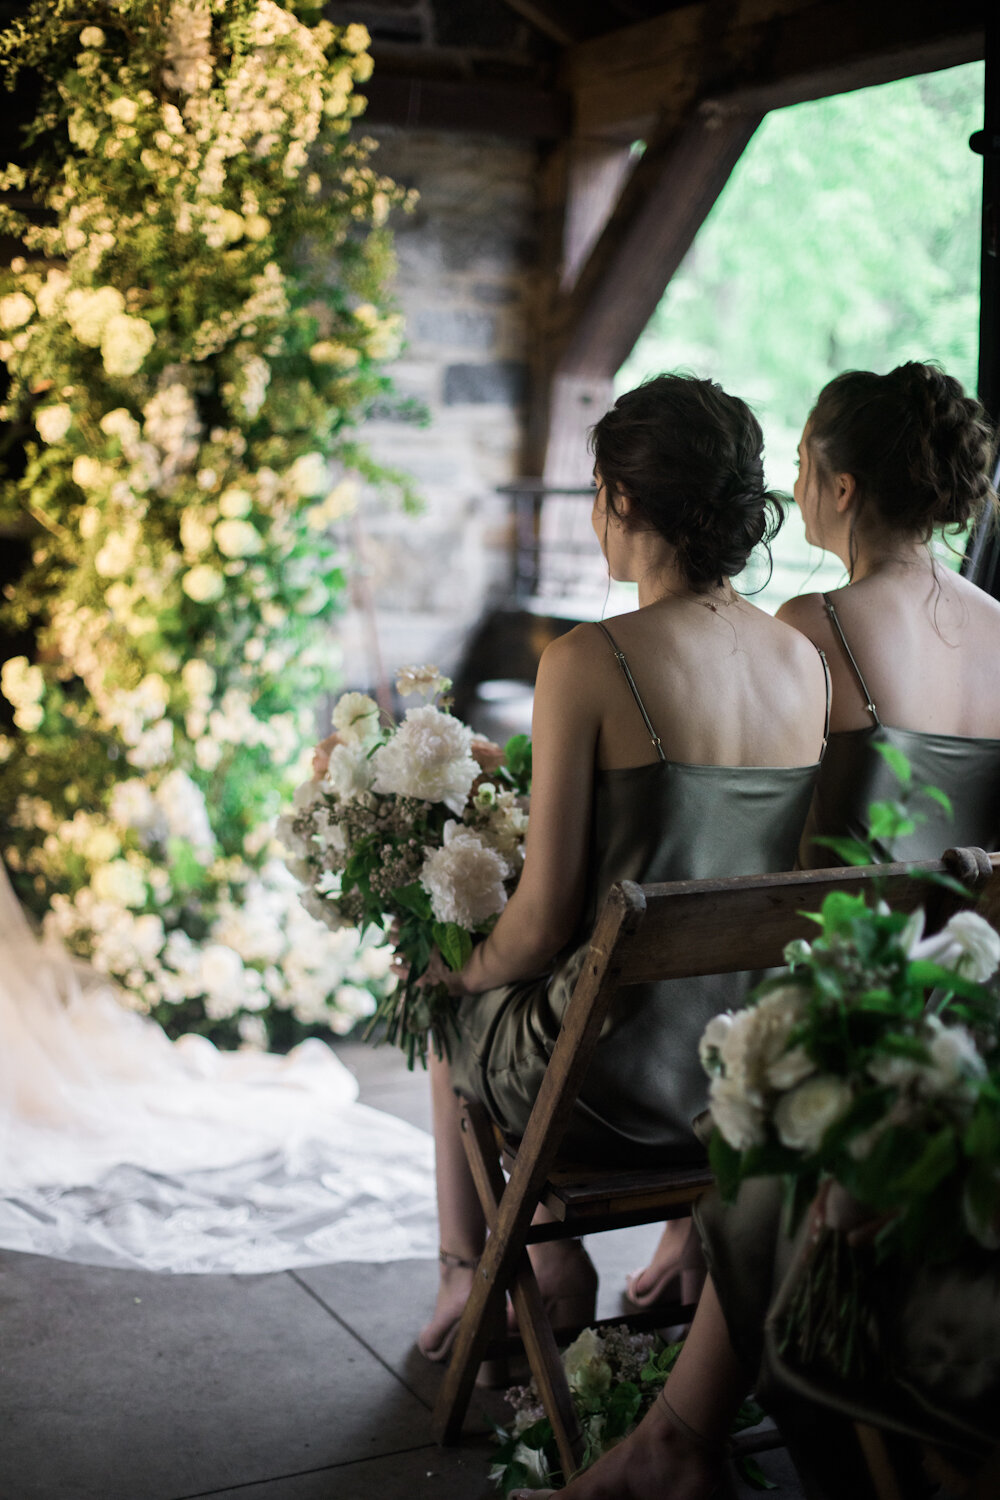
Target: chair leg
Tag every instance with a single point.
(547, 1367)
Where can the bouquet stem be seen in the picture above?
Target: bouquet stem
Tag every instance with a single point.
(830, 1323)
(413, 1015)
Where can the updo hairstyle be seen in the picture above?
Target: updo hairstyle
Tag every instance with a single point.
(689, 458)
(918, 447)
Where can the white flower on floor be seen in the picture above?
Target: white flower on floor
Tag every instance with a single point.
(803, 1117)
(587, 1370)
(465, 878)
(429, 757)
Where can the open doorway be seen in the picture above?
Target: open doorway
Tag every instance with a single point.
(847, 237)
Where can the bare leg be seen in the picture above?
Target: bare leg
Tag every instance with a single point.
(676, 1271)
(460, 1215)
(660, 1458)
(566, 1276)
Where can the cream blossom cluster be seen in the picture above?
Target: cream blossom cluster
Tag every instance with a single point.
(762, 1075)
(187, 461)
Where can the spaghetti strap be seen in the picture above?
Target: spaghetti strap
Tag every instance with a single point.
(620, 655)
(869, 703)
(829, 699)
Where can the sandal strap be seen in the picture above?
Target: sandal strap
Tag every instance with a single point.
(719, 1448)
(447, 1258)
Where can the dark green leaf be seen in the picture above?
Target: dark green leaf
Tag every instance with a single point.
(455, 944)
(850, 851)
(415, 899)
(725, 1162)
(752, 1473)
(941, 798)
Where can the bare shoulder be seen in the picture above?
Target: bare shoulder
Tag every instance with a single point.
(572, 660)
(807, 614)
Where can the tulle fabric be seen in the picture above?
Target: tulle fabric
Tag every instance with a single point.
(120, 1148)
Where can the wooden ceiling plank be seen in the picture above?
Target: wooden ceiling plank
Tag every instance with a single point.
(506, 110)
(774, 51)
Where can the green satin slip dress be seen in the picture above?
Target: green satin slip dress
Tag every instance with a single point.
(657, 822)
(747, 1252)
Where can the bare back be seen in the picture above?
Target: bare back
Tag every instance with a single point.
(728, 686)
(928, 649)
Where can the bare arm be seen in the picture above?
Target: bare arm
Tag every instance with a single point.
(541, 915)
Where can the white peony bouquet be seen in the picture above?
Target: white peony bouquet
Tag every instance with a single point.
(417, 828)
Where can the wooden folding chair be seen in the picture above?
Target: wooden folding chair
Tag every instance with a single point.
(644, 933)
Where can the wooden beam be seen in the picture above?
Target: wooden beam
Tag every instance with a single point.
(510, 110)
(762, 54)
(557, 20)
(662, 207)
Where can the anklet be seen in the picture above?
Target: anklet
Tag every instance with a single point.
(697, 1439)
(455, 1261)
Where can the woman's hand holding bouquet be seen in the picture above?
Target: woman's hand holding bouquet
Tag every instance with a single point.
(418, 828)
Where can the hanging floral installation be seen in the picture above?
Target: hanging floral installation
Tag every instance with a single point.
(191, 338)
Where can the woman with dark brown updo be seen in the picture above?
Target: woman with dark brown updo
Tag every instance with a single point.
(914, 653)
(679, 741)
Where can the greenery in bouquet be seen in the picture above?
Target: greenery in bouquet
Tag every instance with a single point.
(872, 1064)
(191, 337)
(614, 1377)
(419, 828)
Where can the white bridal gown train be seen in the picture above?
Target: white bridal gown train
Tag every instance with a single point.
(120, 1148)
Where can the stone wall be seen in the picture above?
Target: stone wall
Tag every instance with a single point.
(464, 286)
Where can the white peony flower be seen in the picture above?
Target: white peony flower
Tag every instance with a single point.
(428, 681)
(349, 773)
(955, 1058)
(53, 423)
(203, 584)
(465, 878)
(967, 945)
(16, 309)
(236, 538)
(355, 718)
(738, 1117)
(803, 1117)
(429, 757)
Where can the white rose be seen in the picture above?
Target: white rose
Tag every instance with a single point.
(954, 1057)
(356, 38)
(237, 538)
(125, 342)
(429, 757)
(587, 1370)
(221, 972)
(124, 110)
(88, 311)
(203, 584)
(355, 718)
(465, 878)
(120, 883)
(803, 1117)
(53, 423)
(967, 945)
(91, 36)
(428, 681)
(308, 475)
(16, 309)
(738, 1117)
(235, 502)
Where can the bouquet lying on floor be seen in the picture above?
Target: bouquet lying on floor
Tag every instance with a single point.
(614, 1377)
(416, 828)
(874, 1064)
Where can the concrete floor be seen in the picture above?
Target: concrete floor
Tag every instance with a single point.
(302, 1385)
